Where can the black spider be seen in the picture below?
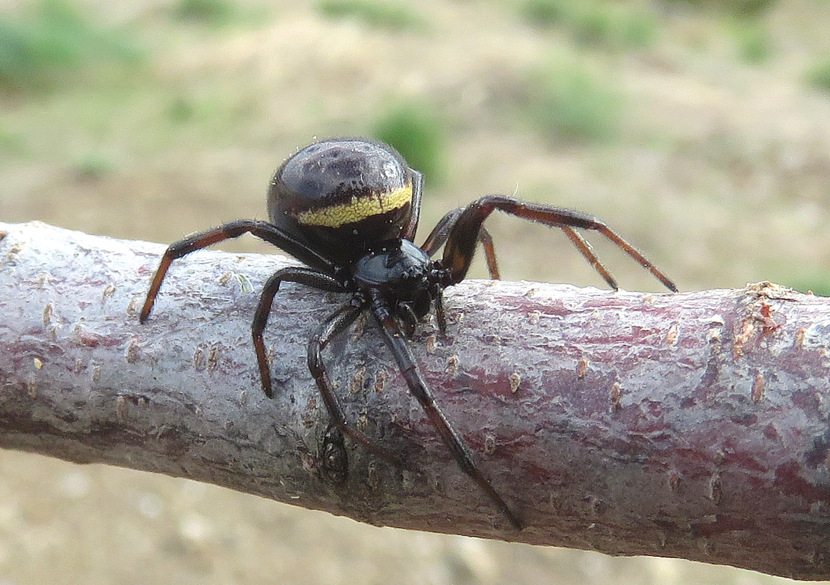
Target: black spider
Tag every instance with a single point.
(348, 209)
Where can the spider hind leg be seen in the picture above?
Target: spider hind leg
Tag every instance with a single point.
(463, 236)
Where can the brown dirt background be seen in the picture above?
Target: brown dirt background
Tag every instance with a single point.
(720, 171)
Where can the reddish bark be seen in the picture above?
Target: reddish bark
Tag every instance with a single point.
(690, 425)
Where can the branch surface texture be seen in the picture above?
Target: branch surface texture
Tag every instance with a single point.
(691, 425)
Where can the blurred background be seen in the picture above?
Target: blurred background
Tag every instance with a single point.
(697, 129)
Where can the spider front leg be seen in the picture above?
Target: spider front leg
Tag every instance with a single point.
(234, 229)
(417, 385)
(462, 239)
(441, 232)
(333, 326)
(298, 274)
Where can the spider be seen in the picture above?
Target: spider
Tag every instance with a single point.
(348, 209)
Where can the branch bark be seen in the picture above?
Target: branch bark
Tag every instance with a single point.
(690, 425)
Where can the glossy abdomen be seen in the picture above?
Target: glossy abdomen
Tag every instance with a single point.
(342, 196)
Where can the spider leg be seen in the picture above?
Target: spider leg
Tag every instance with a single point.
(486, 241)
(298, 274)
(333, 326)
(461, 242)
(438, 295)
(588, 252)
(418, 386)
(233, 229)
(441, 232)
(417, 191)
(408, 319)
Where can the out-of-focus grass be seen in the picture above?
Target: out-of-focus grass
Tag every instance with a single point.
(380, 14)
(204, 111)
(755, 46)
(592, 23)
(55, 43)
(818, 75)
(212, 12)
(181, 110)
(741, 8)
(94, 166)
(565, 100)
(818, 284)
(415, 130)
(545, 13)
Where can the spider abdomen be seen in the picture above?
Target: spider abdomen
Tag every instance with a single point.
(342, 196)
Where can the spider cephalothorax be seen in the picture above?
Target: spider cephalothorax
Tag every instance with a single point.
(348, 209)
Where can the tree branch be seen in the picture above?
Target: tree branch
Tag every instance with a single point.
(689, 425)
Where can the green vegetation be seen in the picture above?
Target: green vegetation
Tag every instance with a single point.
(10, 142)
(181, 110)
(818, 284)
(212, 12)
(604, 24)
(382, 14)
(818, 76)
(741, 8)
(55, 43)
(94, 166)
(417, 133)
(567, 101)
(546, 13)
(754, 43)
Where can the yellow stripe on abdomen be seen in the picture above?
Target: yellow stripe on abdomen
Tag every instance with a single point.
(357, 209)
